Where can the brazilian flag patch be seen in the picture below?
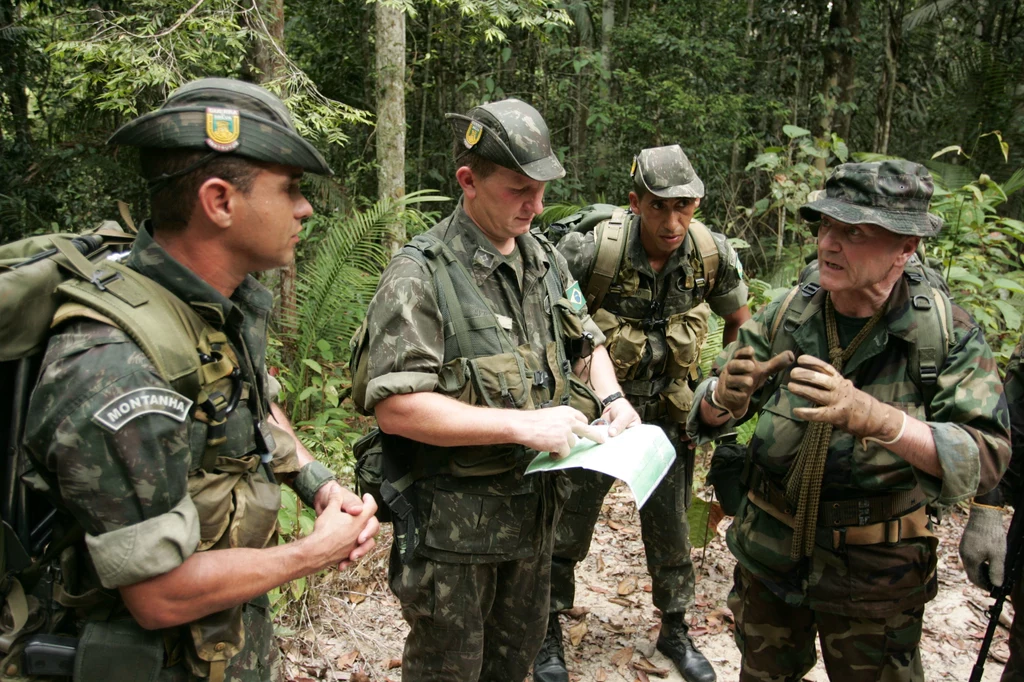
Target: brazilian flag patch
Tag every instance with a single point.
(575, 297)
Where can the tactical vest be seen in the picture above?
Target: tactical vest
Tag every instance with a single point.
(481, 367)
(679, 321)
(932, 312)
(237, 505)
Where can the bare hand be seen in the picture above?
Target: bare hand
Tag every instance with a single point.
(742, 376)
(340, 536)
(620, 416)
(350, 502)
(554, 429)
(840, 402)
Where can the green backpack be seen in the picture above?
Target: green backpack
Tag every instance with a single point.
(45, 281)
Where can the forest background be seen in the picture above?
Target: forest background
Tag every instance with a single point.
(764, 96)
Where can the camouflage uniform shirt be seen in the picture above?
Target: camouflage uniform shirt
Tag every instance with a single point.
(968, 417)
(405, 355)
(137, 479)
(637, 288)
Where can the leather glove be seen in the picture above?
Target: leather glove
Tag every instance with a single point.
(743, 375)
(983, 546)
(842, 404)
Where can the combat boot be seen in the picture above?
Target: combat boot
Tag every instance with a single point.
(674, 642)
(549, 666)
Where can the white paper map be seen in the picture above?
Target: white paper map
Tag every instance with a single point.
(640, 456)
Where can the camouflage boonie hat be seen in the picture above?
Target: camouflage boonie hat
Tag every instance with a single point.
(891, 194)
(665, 172)
(512, 134)
(224, 116)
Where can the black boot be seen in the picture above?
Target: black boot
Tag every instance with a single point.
(677, 645)
(549, 666)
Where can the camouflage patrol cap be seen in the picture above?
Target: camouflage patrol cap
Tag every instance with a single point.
(512, 134)
(891, 194)
(665, 172)
(226, 116)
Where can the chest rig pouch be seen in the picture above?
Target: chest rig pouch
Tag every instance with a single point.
(237, 500)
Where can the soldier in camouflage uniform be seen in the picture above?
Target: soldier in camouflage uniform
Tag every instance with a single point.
(474, 588)
(180, 539)
(655, 323)
(983, 545)
(832, 537)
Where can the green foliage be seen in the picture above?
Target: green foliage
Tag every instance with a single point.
(980, 255)
(294, 520)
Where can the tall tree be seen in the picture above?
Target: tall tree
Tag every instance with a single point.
(390, 136)
(892, 40)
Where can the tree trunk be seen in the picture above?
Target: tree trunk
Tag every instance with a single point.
(12, 70)
(390, 140)
(266, 63)
(607, 28)
(848, 71)
(892, 23)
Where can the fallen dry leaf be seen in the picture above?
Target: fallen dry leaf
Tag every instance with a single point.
(622, 656)
(620, 601)
(577, 631)
(600, 564)
(577, 612)
(360, 677)
(627, 586)
(393, 663)
(615, 525)
(601, 675)
(641, 676)
(348, 659)
(643, 665)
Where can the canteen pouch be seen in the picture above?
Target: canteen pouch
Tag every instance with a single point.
(502, 381)
(625, 343)
(726, 475)
(685, 334)
(118, 650)
(369, 470)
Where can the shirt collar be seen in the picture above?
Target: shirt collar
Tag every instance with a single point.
(481, 256)
(147, 257)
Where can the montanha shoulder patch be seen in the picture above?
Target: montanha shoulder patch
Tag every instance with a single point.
(124, 408)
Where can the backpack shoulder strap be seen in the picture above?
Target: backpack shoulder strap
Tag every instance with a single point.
(167, 330)
(708, 250)
(934, 317)
(443, 265)
(610, 237)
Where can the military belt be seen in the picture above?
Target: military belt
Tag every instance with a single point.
(841, 513)
(645, 388)
(911, 525)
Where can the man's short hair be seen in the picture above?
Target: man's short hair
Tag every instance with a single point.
(480, 166)
(173, 201)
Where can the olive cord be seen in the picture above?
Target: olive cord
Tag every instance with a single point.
(804, 478)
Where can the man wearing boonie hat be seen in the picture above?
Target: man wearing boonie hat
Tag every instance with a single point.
(875, 397)
(470, 345)
(167, 485)
(671, 272)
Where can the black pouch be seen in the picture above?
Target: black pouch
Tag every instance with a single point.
(726, 475)
(369, 470)
(118, 650)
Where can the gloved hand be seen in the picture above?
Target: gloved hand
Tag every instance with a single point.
(983, 546)
(841, 403)
(743, 375)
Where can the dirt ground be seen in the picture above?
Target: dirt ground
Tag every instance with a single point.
(349, 626)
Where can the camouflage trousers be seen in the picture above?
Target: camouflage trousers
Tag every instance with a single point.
(471, 621)
(776, 640)
(1014, 670)
(663, 524)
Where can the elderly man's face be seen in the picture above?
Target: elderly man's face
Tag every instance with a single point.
(858, 257)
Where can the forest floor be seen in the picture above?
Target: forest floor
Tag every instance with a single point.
(347, 626)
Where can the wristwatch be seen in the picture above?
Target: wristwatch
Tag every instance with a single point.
(609, 399)
(709, 395)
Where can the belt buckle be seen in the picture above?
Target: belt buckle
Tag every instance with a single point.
(896, 523)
